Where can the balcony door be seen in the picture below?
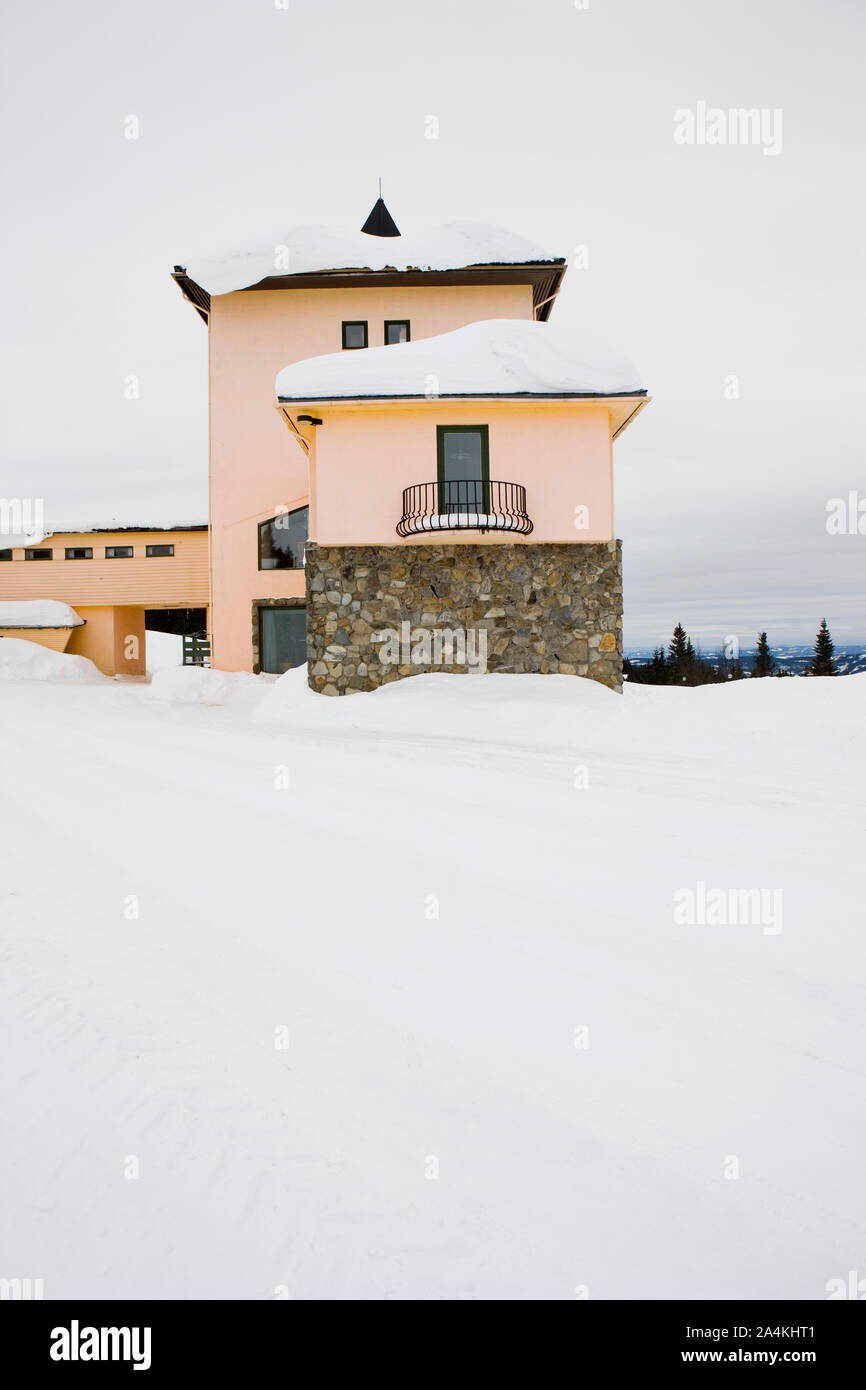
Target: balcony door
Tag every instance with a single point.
(463, 457)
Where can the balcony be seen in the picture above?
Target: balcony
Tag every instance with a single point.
(466, 504)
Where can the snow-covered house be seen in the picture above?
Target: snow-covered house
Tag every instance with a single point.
(438, 469)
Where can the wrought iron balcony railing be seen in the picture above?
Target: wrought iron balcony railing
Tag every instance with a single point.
(464, 504)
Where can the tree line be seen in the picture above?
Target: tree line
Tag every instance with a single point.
(681, 663)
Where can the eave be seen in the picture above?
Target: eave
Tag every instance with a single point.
(545, 277)
(623, 407)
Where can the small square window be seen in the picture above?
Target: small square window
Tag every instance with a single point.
(38, 554)
(355, 333)
(79, 552)
(159, 550)
(118, 552)
(396, 331)
(5, 554)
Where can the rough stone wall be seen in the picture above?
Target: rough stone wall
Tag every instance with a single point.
(543, 608)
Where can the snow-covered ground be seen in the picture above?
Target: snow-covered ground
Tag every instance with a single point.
(509, 1071)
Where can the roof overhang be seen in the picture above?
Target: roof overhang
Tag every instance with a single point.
(545, 277)
(622, 408)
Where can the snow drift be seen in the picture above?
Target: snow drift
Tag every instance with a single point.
(27, 661)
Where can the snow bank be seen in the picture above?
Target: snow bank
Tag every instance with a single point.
(164, 649)
(498, 357)
(197, 685)
(530, 710)
(40, 612)
(305, 249)
(27, 661)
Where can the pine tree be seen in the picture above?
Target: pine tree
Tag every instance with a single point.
(822, 662)
(658, 667)
(679, 657)
(763, 658)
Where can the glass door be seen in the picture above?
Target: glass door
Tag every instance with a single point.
(282, 638)
(463, 457)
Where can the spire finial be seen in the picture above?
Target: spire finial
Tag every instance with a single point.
(380, 222)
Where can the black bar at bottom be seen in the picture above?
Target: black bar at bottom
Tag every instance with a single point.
(220, 1339)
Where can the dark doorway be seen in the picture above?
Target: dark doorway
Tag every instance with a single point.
(187, 622)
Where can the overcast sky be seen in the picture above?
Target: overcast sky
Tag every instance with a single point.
(705, 262)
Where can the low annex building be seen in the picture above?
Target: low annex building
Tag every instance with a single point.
(103, 581)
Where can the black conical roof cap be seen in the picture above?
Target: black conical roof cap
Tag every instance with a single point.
(380, 222)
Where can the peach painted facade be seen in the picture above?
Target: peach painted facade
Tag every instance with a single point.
(364, 455)
(56, 638)
(112, 595)
(256, 468)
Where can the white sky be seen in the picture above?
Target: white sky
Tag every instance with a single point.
(704, 261)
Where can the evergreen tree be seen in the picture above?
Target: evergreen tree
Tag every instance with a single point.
(658, 667)
(763, 659)
(679, 645)
(822, 662)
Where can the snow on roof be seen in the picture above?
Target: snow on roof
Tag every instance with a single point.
(40, 612)
(499, 357)
(92, 528)
(304, 250)
(17, 540)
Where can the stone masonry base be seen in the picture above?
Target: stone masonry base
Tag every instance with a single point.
(523, 607)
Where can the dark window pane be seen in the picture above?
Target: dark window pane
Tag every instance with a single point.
(159, 550)
(282, 540)
(38, 554)
(283, 638)
(118, 552)
(79, 552)
(461, 454)
(5, 554)
(354, 335)
(396, 331)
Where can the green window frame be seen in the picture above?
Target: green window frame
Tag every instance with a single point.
(396, 323)
(78, 552)
(38, 554)
(355, 323)
(463, 504)
(118, 552)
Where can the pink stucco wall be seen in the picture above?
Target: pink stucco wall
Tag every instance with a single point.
(365, 457)
(255, 467)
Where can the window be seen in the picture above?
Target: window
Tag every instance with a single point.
(153, 550)
(282, 540)
(355, 333)
(396, 331)
(5, 554)
(38, 554)
(118, 552)
(282, 638)
(463, 467)
(79, 552)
